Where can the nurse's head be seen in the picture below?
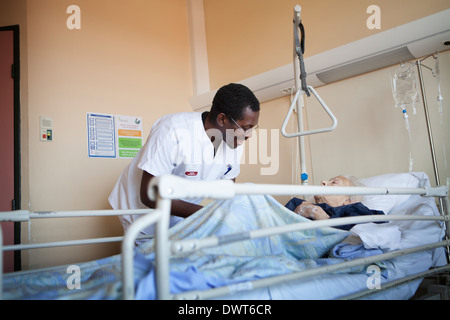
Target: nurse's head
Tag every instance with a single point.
(235, 113)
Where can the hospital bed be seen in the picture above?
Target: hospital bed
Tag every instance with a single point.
(246, 245)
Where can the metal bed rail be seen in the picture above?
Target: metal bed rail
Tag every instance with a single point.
(261, 283)
(26, 216)
(165, 188)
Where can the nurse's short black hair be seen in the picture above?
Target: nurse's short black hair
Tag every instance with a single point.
(232, 99)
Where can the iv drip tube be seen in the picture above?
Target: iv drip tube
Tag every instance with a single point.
(430, 134)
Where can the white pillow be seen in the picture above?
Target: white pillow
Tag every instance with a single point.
(385, 203)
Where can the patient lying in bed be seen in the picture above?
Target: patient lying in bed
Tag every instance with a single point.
(332, 206)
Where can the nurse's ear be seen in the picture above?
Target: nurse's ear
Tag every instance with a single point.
(221, 119)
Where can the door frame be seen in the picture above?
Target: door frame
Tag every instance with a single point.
(16, 205)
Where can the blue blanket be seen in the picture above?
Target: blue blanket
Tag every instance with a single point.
(247, 260)
(229, 264)
(350, 210)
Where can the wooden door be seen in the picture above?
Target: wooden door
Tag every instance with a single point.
(7, 142)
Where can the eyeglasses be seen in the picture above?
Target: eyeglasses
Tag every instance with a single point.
(248, 131)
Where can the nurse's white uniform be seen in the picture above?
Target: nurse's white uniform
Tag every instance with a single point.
(178, 145)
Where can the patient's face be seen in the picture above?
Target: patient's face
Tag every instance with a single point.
(335, 200)
(337, 181)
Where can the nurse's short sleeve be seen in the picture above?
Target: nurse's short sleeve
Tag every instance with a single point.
(158, 155)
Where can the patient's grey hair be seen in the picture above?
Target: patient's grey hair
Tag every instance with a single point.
(355, 182)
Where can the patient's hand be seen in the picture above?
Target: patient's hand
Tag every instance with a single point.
(308, 210)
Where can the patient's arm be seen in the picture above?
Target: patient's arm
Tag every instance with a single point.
(308, 210)
(178, 208)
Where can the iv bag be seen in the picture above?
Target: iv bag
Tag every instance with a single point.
(437, 74)
(405, 87)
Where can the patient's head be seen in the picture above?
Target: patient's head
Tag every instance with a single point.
(339, 200)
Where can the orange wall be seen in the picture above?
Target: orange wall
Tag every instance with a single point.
(133, 58)
(127, 58)
(248, 37)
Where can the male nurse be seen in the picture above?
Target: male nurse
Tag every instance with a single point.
(193, 145)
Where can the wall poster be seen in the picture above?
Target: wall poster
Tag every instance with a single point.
(101, 135)
(129, 136)
(114, 136)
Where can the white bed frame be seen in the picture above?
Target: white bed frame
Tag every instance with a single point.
(27, 216)
(165, 188)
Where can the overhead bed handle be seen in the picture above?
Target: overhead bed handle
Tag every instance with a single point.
(307, 132)
(300, 84)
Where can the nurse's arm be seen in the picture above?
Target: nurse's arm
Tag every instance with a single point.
(178, 208)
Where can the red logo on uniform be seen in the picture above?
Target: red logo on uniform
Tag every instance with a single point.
(191, 173)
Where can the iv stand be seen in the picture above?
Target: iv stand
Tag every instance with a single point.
(427, 119)
(430, 138)
(302, 88)
(430, 133)
(300, 102)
